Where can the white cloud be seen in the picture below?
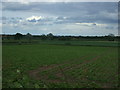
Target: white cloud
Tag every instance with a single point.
(20, 21)
(36, 18)
(0, 24)
(24, 1)
(91, 24)
(20, 1)
(27, 1)
(109, 15)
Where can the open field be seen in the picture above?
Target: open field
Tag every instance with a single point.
(67, 42)
(46, 65)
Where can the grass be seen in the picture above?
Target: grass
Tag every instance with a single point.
(69, 42)
(59, 66)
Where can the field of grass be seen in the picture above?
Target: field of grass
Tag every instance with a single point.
(59, 66)
(69, 42)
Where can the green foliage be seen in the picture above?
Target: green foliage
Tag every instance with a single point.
(18, 36)
(82, 66)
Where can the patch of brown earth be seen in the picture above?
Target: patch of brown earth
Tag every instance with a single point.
(60, 73)
(36, 73)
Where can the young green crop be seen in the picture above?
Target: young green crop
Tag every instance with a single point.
(77, 66)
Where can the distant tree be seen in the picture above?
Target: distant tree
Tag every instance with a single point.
(50, 36)
(18, 36)
(111, 37)
(43, 37)
(29, 37)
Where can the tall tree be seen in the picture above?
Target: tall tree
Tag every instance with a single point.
(18, 36)
(50, 36)
(111, 37)
(29, 37)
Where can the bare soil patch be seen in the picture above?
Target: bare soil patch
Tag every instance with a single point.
(58, 71)
(36, 74)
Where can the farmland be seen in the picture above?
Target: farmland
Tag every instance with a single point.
(60, 65)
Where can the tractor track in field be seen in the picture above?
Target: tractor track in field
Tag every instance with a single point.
(60, 71)
(34, 73)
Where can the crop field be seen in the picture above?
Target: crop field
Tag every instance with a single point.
(59, 66)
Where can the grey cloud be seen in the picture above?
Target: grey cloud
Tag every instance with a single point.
(61, 14)
(76, 12)
(14, 6)
(91, 7)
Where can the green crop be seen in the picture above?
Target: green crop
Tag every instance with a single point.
(57, 66)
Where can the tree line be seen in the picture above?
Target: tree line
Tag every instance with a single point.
(50, 36)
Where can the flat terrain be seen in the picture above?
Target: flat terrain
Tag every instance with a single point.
(60, 65)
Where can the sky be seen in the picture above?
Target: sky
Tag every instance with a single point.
(60, 18)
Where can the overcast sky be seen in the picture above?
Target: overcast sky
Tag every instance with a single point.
(60, 18)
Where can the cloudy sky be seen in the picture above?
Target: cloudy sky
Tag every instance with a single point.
(60, 18)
